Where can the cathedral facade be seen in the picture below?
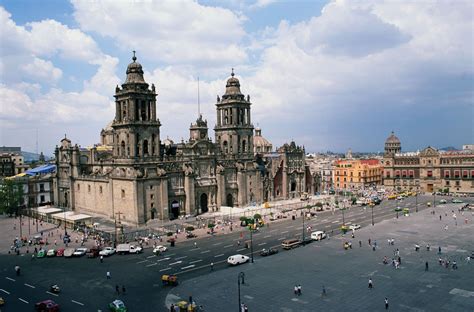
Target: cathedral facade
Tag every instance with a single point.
(136, 176)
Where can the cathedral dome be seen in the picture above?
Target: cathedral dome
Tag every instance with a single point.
(233, 85)
(392, 139)
(134, 71)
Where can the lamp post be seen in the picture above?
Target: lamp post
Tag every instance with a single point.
(416, 201)
(343, 220)
(240, 280)
(303, 224)
(372, 208)
(251, 244)
(434, 199)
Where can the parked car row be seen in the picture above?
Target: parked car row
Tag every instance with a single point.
(90, 252)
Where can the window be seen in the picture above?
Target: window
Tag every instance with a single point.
(42, 198)
(411, 173)
(100, 189)
(41, 187)
(397, 173)
(447, 183)
(458, 183)
(78, 187)
(404, 173)
(387, 174)
(123, 193)
(152, 196)
(464, 174)
(447, 174)
(89, 188)
(456, 174)
(472, 174)
(429, 173)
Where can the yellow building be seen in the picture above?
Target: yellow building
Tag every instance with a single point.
(357, 173)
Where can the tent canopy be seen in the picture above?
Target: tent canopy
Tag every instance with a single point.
(42, 170)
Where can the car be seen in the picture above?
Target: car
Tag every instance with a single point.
(107, 251)
(117, 306)
(159, 249)
(318, 235)
(398, 208)
(354, 227)
(237, 259)
(443, 201)
(93, 252)
(190, 235)
(400, 197)
(268, 252)
(79, 252)
(47, 306)
(457, 201)
(60, 252)
(41, 253)
(51, 253)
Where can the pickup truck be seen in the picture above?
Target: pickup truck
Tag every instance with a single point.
(128, 248)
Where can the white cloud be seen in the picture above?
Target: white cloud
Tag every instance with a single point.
(41, 70)
(169, 31)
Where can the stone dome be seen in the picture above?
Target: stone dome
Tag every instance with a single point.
(134, 71)
(260, 144)
(392, 139)
(232, 86)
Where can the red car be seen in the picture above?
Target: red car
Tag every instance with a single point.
(47, 306)
(60, 252)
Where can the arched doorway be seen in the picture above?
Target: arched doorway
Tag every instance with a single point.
(230, 200)
(174, 213)
(153, 212)
(203, 203)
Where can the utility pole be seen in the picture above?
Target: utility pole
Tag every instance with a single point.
(119, 214)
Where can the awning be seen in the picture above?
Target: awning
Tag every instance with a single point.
(42, 170)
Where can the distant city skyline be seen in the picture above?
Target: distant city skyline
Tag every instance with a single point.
(330, 75)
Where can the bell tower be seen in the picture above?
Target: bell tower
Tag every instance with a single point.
(136, 127)
(234, 130)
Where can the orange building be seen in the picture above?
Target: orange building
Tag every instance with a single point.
(357, 173)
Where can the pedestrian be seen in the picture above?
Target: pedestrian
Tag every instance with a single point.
(426, 266)
(212, 266)
(323, 292)
(386, 303)
(360, 243)
(117, 291)
(195, 245)
(246, 309)
(455, 266)
(108, 275)
(123, 289)
(101, 259)
(371, 285)
(370, 242)
(439, 250)
(296, 290)
(299, 290)
(440, 217)
(17, 270)
(353, 235)
(172, 308)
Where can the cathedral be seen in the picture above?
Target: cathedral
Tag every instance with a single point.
(134, 174)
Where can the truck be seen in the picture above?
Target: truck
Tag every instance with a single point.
(128, 248)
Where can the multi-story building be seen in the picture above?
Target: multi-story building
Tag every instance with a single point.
(321, 168)
(353, 174)
(428, 170)
(138, 177)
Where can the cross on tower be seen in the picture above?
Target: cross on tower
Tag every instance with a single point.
(232, 74)
(134, 58)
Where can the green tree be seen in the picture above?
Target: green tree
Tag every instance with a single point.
(11, 196)
(257, 216)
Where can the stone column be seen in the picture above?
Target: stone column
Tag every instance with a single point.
(284, 182)
(242, 187)
(164, 205)
(221, 196)
(190, 195)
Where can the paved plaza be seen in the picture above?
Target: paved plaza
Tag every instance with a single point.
(269, 282)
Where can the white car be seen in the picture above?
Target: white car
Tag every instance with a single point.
(237, 259)
(318, 235)
(354, 227)
(107, 251)
(158, 249)
(80, 252)
(135, 249)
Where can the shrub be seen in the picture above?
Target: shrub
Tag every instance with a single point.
(169, 234)
(190, 228)
(211, 225)
(257, 216)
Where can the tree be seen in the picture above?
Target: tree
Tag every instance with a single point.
(257, 216)
(11, 196)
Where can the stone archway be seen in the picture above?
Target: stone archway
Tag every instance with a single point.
(174, 210)
(230, 200)
(204, 203)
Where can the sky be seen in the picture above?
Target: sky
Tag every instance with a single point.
(330, 75)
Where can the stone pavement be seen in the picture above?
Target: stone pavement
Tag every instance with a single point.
(269, 281)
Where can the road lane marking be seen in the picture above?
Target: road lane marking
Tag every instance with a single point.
(165, 269)
(151, 257)
(284, 232)
(289, 227)
(333, 222)
(261, 244)
(77, 302)
(164, 259)
(241, 249)
(142, 261)
(281, 238)
(23, 300)
(179, 258)
(188, 267)
(10, 279)
(205, 251)
(228, 246)
(195, 248)
(169, 255)
(217, 256)
(196, 261)
(4, 291)
(149, 265)
(48, 292)
(177, 262)
(217, 244)
(28, 285)
(267, 236)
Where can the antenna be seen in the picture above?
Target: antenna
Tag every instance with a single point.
(199, 102)
(36, 140)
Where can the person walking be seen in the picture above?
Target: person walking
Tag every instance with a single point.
(439, 250)
(323, 293)
(212, 266)
(296, 289)
(117, 290)
(426, 266)
(299, 290)
(123, 289)
(371, 285)
(17, 270)
(172, 308)
(108, 275)
(386, 303)
(195, 245)
(360, 243)
(101, 259)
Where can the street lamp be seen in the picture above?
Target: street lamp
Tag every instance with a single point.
(240, 280)
(251, 244)
(416, 201)
(372, 207)
(343, 220)
(434, 199)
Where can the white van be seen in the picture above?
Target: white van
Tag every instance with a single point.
(237, 259)
(318, 235)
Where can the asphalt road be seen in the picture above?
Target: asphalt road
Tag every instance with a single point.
(83, 282)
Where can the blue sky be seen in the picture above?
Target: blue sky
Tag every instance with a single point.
(330, 75)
